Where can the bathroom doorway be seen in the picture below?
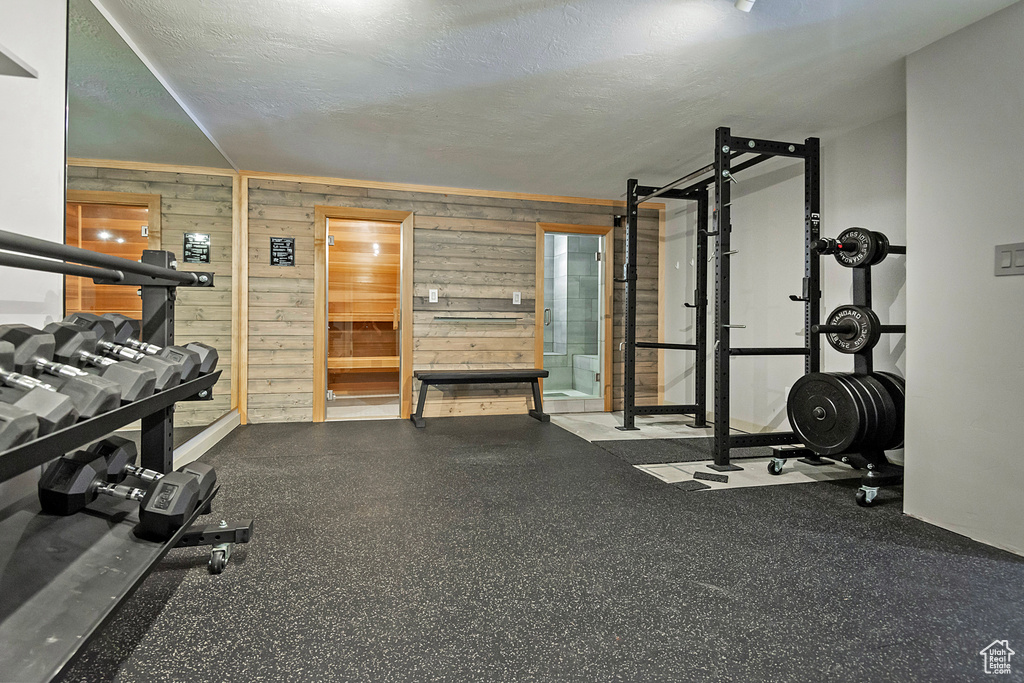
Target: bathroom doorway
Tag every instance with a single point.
(574, 316)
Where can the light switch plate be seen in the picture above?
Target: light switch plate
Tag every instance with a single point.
(1010, 259)
(433, 296)
(517, 298)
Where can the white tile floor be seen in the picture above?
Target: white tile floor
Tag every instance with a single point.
(754, 473)
(602, 426)
(363, 407)
(597, 427)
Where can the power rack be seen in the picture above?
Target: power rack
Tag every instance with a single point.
(694, 186)
(63, 577)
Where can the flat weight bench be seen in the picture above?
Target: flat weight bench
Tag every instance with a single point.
(429, 378)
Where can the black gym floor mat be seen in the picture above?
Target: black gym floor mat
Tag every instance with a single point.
(658, 451)
(504, 549)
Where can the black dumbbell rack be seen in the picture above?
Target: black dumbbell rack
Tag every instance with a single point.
(63, 577)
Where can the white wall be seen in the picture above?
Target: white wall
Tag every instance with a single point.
(965, 174)
(32, 151)
(863, 184)
(32, 165)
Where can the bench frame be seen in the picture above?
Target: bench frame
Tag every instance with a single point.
(475, 377)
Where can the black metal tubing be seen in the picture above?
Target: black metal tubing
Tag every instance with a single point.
(158, 329)
(666, 410)
(769, 351)
(37, 247)
(629, 307)
(214, 534)
(762, 439)
(47, 266)
(23, 458)
(629, 409)
(665, 345)
(809, 151)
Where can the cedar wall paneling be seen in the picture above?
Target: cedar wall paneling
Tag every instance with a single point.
(476, 251)
(190, 203)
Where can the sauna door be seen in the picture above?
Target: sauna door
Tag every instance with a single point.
(363, 307)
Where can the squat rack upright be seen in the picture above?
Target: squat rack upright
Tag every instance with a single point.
(695, 187)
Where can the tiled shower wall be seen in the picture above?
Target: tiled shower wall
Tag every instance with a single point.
(571, 292)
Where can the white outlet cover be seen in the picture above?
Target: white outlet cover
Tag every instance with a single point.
(433, 296)
(517, 298)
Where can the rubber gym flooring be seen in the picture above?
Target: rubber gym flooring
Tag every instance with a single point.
(503, 549)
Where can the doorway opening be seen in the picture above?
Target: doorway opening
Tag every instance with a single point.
(110, 223)
(363, 313)
(575, 316)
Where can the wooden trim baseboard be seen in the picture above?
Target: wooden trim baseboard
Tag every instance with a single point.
(241, 285)
(146, 166)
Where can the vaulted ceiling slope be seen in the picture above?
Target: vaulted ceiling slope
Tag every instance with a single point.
(549, 96)
(117, 109)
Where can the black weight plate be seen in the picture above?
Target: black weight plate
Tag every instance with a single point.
(896, 387)
(868, 332)
(866, 250)
(883, 248)
(824, 413)
(885, 409)
(865, 411)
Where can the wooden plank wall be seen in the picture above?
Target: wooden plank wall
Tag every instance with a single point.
(475, 250)
(190, 203)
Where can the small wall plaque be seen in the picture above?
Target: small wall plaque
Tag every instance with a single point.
(197, 247)
(282, 251)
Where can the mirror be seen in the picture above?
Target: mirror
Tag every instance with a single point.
(122, 121)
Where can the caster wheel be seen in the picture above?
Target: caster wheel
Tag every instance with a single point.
(864, 500)
(775, 467)
(218, 561)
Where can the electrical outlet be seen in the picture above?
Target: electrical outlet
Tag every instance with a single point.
(433, 296)
(517, 298)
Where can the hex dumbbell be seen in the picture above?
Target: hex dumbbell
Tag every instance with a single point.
(76, 346)
(33, 351)
(117, 331)
(168, 372)
(17, 426)
(72, 482)
(53, 410)
(120, 455)
(129, 333)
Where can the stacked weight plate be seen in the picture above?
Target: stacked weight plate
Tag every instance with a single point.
(835, 413)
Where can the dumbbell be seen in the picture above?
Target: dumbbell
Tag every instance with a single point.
(76, 346)
(119, 330)
(129, 333)
(33, 351)
(17, 426)
(53, 410)
(168, 372)
(75, 480)
(120, 455)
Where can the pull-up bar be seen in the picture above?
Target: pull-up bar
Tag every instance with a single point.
(64, 252)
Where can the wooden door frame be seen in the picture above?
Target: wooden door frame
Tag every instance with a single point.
(321, 214)
(538, 348)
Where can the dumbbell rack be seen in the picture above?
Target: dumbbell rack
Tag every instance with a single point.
(880, 471)
(63, 577)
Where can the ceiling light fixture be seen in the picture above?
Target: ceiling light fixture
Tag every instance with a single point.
(104, 235)
(120, 240)
(744, 5)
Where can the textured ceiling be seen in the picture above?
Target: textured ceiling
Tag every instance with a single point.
(541, 96)
(117, 109)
